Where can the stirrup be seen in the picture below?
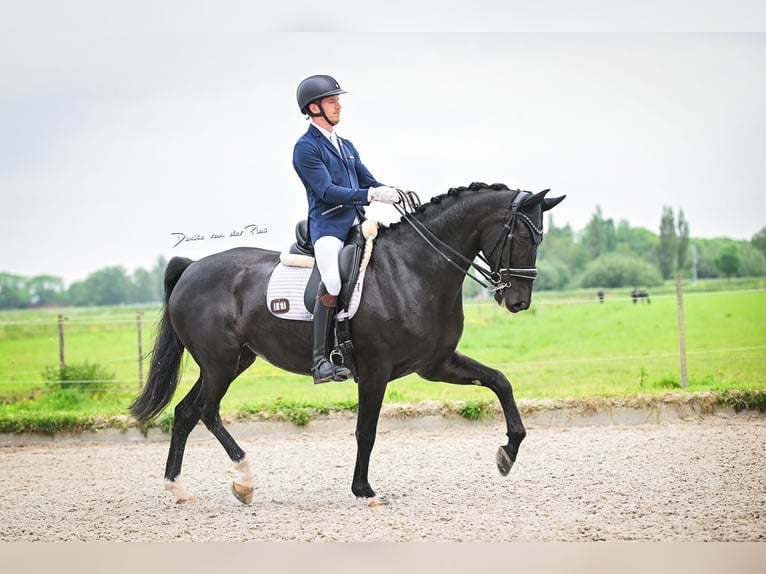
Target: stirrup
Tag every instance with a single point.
(334, 373)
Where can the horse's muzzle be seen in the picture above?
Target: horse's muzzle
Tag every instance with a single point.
(515, 304)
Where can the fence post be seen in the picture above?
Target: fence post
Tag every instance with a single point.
(681, 330)
(140, 351)
(62, 362)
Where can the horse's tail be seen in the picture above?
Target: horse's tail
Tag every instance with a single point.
(166, 355)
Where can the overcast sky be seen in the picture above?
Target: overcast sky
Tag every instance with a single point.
(122, 130)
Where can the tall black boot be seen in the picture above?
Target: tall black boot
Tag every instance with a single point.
(325, 370)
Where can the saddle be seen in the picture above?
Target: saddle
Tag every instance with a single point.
(349, 263)
(353, 257)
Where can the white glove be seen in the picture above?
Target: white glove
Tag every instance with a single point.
(384, 194)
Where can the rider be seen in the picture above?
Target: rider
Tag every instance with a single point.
(338, 186)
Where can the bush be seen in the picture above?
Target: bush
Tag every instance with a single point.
(80, 377)
(615, 270)
(753, 261)
(744, 399)
(728, 260)
(553, 275)
(475, 410)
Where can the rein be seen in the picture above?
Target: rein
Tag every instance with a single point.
(500, 278)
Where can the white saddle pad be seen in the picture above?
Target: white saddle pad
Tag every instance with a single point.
(284, 295)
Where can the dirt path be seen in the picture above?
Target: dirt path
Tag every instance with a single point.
(682, 481)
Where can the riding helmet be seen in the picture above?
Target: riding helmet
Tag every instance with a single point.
(315, 88)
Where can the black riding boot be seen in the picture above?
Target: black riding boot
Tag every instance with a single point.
(325, 370)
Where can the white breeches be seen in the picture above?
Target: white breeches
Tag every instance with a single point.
(326, 250)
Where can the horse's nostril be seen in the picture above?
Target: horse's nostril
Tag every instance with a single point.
(519, 306)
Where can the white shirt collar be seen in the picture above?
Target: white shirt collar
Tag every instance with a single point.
(329, 135)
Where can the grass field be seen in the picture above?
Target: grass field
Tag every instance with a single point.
(566, 345)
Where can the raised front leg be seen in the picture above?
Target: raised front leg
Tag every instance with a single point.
(462, 370)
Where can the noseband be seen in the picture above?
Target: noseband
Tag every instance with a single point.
(499, 279)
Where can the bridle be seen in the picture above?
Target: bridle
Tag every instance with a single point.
(501, 278)
(498, 280)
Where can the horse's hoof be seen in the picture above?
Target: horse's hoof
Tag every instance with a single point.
(378, 501)
(182, 495)
(242, 493)
(504, 462)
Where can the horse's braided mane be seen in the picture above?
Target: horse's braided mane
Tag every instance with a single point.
(453, 192)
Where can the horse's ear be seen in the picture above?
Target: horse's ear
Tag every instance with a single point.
(550, 203)
(534, 199)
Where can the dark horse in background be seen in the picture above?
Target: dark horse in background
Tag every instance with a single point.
(410, 320)
(637, 294)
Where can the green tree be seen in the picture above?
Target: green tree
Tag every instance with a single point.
(113, 286)
(144, 289)
(753, 261)
(759, 240)
(550, 234)
(706, 252)
(728, 260)
(13, 292)
(553, 274)
(561, 245)
(595, 234)
(617, 270)
(667, 249)
(158, 274)
(610, 235)
(683, 239)
(636, 240)
(557, 240)
(46, 290)
(109, 286)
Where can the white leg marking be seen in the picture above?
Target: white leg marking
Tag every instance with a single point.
(182, 495)
(244, 476)
(243, 484)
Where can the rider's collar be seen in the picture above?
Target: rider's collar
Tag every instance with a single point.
(323, 131)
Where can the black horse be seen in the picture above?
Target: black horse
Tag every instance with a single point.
(409, 320)
(637, 294)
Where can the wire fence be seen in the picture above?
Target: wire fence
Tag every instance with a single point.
(121, 341)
